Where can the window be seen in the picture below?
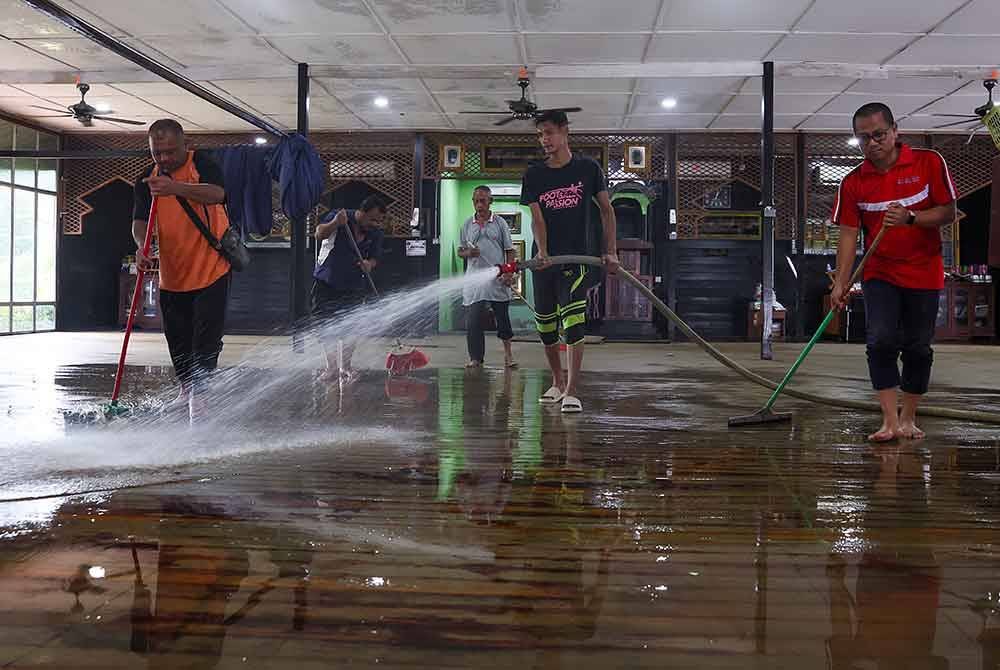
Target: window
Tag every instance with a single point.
(28, 226)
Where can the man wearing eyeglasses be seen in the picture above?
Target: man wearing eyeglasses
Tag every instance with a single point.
(912, 191)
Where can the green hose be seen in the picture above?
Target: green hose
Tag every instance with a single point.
(661, 307)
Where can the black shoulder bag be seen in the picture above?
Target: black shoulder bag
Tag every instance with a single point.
(229, 246)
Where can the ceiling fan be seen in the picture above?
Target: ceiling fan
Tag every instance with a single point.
(523, 109)
(83, 112)
(979, 113)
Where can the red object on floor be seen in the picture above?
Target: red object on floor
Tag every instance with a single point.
(400, 363)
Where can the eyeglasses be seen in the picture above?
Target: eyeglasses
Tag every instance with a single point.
(877, 136)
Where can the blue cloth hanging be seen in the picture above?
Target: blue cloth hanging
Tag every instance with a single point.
(248, 187)
(299, 171)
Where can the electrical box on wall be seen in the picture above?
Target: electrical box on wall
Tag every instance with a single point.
(505, 191)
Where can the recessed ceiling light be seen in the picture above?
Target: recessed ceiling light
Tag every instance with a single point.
(381, 102)
(854, 141)
(102, 107)
(260, 140)
(668, 103)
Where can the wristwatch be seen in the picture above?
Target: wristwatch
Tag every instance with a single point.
(912, 218)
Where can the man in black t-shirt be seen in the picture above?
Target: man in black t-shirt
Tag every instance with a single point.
(559, 192)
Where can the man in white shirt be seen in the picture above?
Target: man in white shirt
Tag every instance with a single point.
(486, 243)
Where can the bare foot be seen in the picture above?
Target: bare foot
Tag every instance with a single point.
(474, 364)
(511, 363)
(909, 430)
(883, 434)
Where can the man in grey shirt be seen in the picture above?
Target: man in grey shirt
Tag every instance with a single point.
(485, 243)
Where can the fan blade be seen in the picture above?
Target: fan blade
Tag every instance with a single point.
(958, 116)
(493, 113)
(117, 120)
(560, 109)
(49, 109)
(54, 116)
(957, 123)
(504, 122)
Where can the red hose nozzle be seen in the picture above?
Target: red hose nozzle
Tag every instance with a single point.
(507, 268)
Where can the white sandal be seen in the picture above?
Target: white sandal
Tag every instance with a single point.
(552, 396)
(571, 405)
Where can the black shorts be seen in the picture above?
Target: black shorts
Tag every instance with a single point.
(561, 301)
(327, 302)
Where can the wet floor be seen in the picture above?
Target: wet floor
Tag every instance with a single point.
(448, 521)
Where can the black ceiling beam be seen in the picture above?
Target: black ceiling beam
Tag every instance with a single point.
(94, 33)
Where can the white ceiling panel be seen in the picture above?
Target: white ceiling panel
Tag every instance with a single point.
(589, 48)
(685, 85)
(583, 122)
(13, 56)
(978, 18)
(431, 121)
(153, 89)
(954, 104)
(79, 52)
(785, 85)
(184, 18)
(588, 16)
(601, 105)
(802, 103)
(908, 85)
(839, 48)
(503, 86)
(884, 16)
(18, 20)
(415, 102)
(249, 88)
(838, 122)
(686, 104)
(848, 103)
(753, 121)
(721, 46)
(297, 17)
(952, 50)
(213, 51)
(483, 102)
(579, 86)
(338, 50)
(464, 49)
(383, 86)
(731, 15)
(317, 121)
(445, 16)
(65, 90)
(669, 121)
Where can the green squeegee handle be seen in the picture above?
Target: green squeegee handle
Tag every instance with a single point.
(822, 327)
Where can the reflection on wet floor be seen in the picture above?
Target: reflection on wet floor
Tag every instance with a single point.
(475, 528)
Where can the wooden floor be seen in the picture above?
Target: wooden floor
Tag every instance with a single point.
(449, 521)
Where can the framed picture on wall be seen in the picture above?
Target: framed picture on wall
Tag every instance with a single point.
(637, 158)
(513, 220)
(452, 157)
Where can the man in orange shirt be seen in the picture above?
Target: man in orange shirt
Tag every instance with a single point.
(194, 277)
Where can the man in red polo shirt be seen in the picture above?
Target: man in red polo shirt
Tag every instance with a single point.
(912, 191)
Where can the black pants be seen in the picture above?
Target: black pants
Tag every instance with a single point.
(474, 326)
(900, 323)
(193, 322)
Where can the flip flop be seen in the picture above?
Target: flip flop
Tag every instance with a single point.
(512, 365)
(551, 397)
(571, 405)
